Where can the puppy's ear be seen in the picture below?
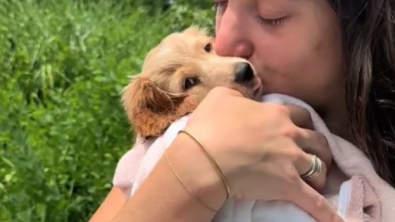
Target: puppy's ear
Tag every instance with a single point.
(151, 110)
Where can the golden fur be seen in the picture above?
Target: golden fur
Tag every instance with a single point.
(158, 95)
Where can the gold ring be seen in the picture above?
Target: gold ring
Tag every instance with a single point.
(316, 168)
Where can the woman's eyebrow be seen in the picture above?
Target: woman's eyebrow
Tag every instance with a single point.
(292, 0)
(284, 1)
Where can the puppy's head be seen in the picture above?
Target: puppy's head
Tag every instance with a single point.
(177, 75)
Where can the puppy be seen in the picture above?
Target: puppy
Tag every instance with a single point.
(176, 75)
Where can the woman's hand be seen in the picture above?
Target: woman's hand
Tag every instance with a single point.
(259, 147)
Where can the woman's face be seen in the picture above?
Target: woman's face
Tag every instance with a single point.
(295, 45)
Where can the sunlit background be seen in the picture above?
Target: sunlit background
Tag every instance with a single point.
(63, 64)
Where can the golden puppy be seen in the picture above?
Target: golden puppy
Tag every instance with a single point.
(176, 75)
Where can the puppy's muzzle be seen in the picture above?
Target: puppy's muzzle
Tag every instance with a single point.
(247, 79)
(244, 73)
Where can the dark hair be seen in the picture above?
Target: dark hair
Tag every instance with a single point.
(369, 49)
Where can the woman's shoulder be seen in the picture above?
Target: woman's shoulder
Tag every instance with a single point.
(128, 165)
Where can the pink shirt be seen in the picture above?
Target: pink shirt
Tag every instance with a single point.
(128, 165)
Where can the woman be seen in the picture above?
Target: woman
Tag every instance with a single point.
(336, 55)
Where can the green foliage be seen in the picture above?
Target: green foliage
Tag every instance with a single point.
(63, 64)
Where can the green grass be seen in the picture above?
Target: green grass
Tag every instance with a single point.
(63, 64)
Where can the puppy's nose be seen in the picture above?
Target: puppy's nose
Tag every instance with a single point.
(244, 73)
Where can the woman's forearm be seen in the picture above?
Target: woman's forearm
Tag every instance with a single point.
(163, 198)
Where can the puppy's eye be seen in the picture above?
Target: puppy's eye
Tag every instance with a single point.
(208, 47)
(190, 82)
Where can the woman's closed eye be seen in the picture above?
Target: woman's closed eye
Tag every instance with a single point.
(273, 12)
(271, 22)
(220, 7)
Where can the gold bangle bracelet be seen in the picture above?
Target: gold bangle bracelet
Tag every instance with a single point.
(215, 164)
(182, 184)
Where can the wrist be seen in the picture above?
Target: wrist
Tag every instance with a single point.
(196, 172)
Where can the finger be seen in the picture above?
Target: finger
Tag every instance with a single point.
(221, 92)
(313, 203)
(242, 90)
(300, 116)
(314, 143)
(305, 164)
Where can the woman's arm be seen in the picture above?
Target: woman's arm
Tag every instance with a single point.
(163, 198)
(261, 157)
(123, 181)
(111, 205)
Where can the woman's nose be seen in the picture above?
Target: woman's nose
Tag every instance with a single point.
(231, 39)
